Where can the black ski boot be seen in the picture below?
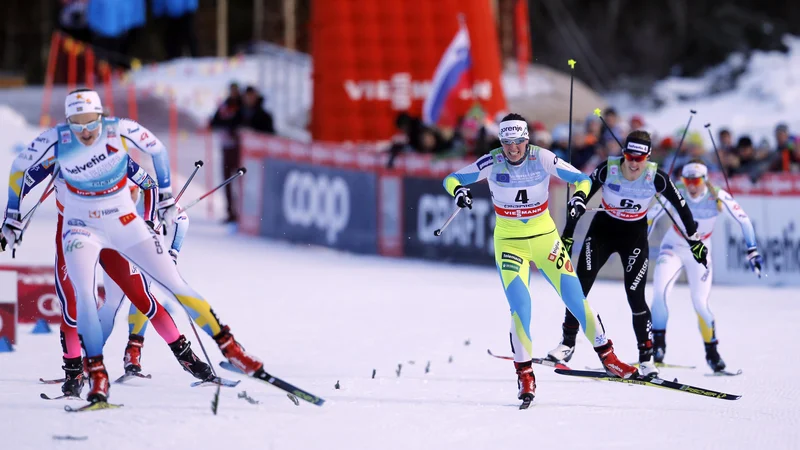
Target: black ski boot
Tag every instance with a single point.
(713, 359)
(182, 349)
(73, 374)
(659, 345)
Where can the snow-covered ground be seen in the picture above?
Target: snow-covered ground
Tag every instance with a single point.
(767, 93)
(318, 317)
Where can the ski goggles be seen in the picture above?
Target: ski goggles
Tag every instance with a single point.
(695, 182)
(79, 127)
(636, 157)
(509, 141)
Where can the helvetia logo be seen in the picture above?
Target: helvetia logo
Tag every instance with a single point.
(97, 159)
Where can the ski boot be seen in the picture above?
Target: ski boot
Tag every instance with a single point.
(566, 348)
(647, 367)
(713, 359)
(612, 364)
(234, 352)
(526, 381)
(659, 345)
(182, 349)
(98, 380)
(133, 354)
(73, 374)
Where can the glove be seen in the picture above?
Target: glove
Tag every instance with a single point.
(174, 254)
(577, 205)
(167, 210)
(567, 241)
(699, 250)
(3, 243)
(463, 197)
(755, 260)
(12, 229)
(152, 226)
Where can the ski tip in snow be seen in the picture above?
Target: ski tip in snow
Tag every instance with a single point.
(93, 407)
(217, 381)
(724, 373)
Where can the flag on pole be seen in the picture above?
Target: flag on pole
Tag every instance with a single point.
(451, 75)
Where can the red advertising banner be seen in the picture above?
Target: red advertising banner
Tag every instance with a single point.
(373, 60)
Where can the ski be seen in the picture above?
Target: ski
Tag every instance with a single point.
(217, 381)
(60, 397)
(96, 406)
(542, 361)
(645, 381)
(659, 365)
(56, 381)
(128, 375)
(293, 391)
(724, 373)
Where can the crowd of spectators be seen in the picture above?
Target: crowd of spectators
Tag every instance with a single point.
(475, 135)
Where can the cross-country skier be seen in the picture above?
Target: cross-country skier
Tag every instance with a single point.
(519, 177)
(629, 184)
(707, 203)
(93, 134)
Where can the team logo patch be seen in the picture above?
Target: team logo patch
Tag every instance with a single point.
(503, 178)
(127, 218)
(554, 252)
(568, 266)
(511, 256)
(76, 223)
(613, 187)
(482, 163)
(111, 150)
(66, 137)
(510, 266)
(111, 132)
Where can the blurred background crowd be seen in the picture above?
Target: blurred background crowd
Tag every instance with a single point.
(475, 134)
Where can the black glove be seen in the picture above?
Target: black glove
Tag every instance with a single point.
(463, 197)
(699, 250)
(152, 226)
(577, 205)
(568, 241)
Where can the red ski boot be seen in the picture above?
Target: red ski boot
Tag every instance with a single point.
(98, 380)
(235, 353)
(133, 354)
(526, 381)
(613, 365)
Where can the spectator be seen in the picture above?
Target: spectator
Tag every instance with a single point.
(787, 155)
(612, 120)
(253, 114)
(226, 120)
(745, 160)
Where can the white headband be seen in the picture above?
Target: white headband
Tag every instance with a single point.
(82, 102)
(694, 170)
(513, 129)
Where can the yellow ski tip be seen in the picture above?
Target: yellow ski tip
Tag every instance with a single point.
(571, 63)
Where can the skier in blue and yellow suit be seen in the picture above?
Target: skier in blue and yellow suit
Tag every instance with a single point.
(518, 175)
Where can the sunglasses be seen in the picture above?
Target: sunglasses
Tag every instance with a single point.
(635, 157)
(518, 140)
(693, 181)
(79, 127)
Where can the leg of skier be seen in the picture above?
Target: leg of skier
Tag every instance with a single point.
(550, 257)
(594, 254)
(136, 286)
(700, 286)
(70, 342)
(668, 268)
(151, 257)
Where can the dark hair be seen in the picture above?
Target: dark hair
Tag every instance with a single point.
(80, 90)
(514, 116)
(640, 135)
(744, 141)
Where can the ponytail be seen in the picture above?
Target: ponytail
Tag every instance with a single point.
(713, 192)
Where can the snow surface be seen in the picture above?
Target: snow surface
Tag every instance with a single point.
(318, 317)
(767, 93)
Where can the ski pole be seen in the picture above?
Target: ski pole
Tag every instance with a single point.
(197, 166)
(571, 63)
(239, 173)
(680, 143)
(438, 232)
(719, 158)
(29, 215)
